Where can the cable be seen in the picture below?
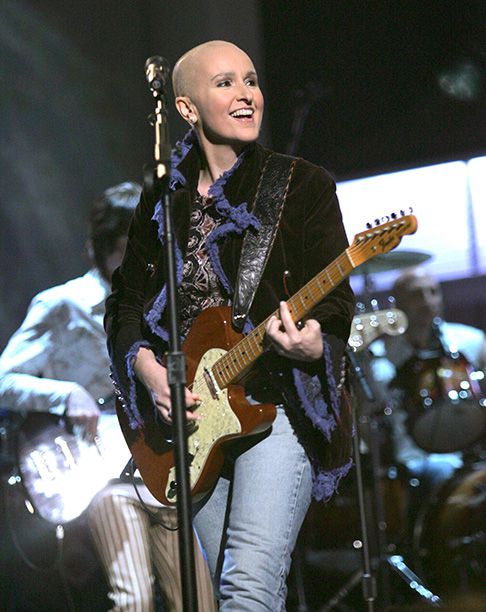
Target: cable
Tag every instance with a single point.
(130, 471)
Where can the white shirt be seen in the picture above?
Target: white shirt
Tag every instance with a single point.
(60, 345)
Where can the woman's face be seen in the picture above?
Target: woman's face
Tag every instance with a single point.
(227, 99)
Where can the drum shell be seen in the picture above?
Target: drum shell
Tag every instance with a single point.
(449, 536)
(444, 403)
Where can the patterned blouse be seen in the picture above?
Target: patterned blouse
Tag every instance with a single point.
(200, 287)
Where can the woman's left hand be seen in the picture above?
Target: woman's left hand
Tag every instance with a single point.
(303, 344)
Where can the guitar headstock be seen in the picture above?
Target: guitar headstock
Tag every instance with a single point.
(367, 327)
(381, 239)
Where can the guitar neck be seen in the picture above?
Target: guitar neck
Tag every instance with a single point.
(229, 368)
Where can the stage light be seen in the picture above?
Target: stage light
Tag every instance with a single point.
(462, 80)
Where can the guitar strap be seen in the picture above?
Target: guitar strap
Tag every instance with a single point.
(269, 200)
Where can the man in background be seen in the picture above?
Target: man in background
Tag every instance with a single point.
(427, 339)
(57, 363)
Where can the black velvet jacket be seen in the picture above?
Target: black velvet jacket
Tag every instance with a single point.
(310, 236)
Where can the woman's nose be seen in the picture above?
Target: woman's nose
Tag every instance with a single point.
(245, 92)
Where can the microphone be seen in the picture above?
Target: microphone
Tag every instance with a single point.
(157, 70)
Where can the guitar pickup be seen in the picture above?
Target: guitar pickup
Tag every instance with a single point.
(211, 385)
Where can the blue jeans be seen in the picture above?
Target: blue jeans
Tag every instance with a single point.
(249, 525)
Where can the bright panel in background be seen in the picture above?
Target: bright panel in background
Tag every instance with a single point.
(477, 183)
(439, 198)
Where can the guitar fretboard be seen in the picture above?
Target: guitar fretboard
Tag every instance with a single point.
(229, 368)
(382, 239)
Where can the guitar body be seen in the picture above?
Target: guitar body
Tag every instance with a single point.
(226, 415)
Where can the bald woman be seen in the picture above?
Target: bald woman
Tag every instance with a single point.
(249, 523)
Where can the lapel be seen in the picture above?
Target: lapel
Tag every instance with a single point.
(241, 187)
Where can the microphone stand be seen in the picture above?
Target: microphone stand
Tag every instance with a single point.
(156, 182)
(368, 580)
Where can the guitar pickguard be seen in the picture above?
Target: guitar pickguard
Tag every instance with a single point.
(218, 421)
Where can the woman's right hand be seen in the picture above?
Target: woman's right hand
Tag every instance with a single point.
(153, 376)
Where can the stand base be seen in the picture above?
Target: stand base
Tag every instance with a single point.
(397, 563)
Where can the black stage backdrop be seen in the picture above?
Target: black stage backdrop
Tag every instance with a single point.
(372, 69)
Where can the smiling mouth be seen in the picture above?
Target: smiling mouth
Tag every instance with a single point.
(243, 113)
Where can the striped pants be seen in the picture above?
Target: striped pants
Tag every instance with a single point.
(133, 548)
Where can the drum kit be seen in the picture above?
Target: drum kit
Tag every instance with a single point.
(438, 545)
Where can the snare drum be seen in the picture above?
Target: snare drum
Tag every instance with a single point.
(450, 533)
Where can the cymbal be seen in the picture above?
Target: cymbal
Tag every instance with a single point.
(394, 260)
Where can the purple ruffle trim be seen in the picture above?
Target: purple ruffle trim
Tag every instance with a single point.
(331, 381)
(323, 417)
(152, 317)
(179, 152)
(134, 417)
(326, 483)
(238, 220)
(309, 390)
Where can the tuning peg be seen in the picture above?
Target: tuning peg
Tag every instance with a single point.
(402, 213)
(360, 307)
(368, 225)
(410, 210)
(377, 222)
(385, 219)
(374, 305)
(392, 301)
(393, 215)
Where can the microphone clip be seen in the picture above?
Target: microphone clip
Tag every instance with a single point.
(157, 70)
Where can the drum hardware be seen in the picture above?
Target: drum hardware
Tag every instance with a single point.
(397, 259)
(375, 558)
(376, 552)
(43, 553)
(413, 581)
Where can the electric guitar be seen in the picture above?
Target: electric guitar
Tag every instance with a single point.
(60, 471)
(369, 326)
(218, 358)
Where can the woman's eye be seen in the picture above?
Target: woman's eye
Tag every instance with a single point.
(252, 82)
(225, 83)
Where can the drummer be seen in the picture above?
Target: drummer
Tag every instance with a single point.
(419, 295)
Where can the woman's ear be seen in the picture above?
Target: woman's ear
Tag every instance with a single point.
(186, 109)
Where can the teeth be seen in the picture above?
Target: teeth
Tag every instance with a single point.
(242, 112)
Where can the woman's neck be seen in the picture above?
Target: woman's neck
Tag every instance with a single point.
(217, 160)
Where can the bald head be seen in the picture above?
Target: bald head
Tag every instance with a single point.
(410, 278)
(186, 67)
(419, 295)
